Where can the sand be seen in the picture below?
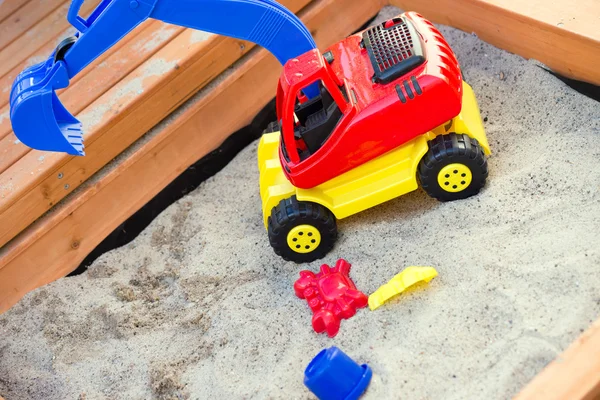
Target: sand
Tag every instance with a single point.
(199, 306)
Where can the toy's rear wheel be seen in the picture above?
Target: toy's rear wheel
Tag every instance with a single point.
(272, 127)
(301, 231)
(454, 168)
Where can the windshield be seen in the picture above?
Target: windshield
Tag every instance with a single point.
(314, 121)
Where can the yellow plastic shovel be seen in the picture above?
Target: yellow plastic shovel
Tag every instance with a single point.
(399, 283)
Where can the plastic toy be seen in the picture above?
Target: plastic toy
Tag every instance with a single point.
(400, 283)
(264, 22)
(332, 375)
(393, 113)
(331, 295)
(362, 123)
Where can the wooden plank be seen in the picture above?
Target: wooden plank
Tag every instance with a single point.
(58, 242)
(7, 7)
(95, 81)
(574, 375)
(35, 37)
(24, 18)
(579, 16)
(563, 36)
(31, 186)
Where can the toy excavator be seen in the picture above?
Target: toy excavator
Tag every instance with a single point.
(362, 123)
(264, 22)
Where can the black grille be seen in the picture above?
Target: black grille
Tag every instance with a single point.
(394, 50)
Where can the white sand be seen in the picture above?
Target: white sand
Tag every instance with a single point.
(198, 306)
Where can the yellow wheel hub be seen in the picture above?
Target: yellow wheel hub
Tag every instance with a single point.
(455, 177)
(304, 238)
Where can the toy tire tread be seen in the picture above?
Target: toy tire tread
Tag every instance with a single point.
(272, 127)
(290, 213)
(448, 149)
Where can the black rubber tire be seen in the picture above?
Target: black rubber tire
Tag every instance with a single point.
(63, 47)
(449, 149)
(290, 213)
(272, 127)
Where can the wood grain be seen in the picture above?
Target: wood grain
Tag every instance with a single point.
(20, 22)
(10, 6)
(574, 375)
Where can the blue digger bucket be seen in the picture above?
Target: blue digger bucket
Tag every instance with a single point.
(39, 120)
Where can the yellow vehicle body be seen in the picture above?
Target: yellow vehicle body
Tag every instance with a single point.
(372, 183)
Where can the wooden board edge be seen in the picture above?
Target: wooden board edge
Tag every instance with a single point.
(573, 375)
(73, 233)
(565, 52)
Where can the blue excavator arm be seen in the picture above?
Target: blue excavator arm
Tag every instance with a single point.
(39, 119)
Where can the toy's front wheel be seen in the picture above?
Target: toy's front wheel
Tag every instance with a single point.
(455, 167)
(301, 231)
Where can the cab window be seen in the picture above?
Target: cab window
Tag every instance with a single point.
(315, 120)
